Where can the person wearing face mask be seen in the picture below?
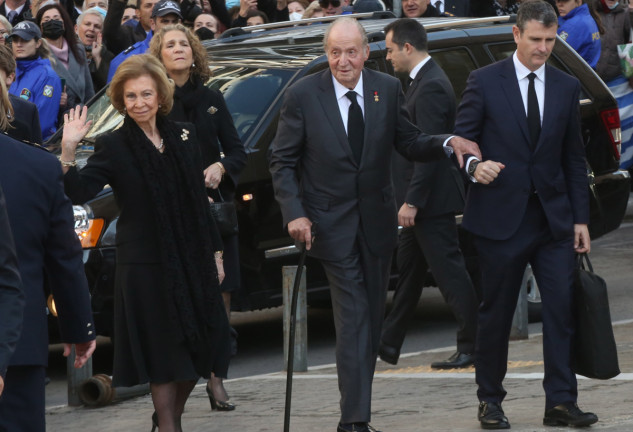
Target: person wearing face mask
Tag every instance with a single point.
(296, 9)
(35, 80)
(206, 26)
(69, 57)
(615, 18)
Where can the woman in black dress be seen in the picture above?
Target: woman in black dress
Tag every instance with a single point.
(169, 317)
(223, 155)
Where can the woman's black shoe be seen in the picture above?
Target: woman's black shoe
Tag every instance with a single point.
(218, 405)
(154, 421)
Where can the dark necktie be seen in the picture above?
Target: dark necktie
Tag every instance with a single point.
(409, 82)
(438, 6)
(533, 112)
(355, 126)
(11, 16)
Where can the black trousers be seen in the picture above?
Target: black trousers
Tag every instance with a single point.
(22, 402)
(432, 243)
(503, 264)
(358, 287)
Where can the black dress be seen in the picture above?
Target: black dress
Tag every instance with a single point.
(147, 344)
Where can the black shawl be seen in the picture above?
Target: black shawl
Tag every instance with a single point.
(175, 182)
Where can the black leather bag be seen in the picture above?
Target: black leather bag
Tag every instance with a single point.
(594, 353)
(225, 216)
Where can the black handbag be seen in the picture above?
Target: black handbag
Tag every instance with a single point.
(225, 216)
(594, 352)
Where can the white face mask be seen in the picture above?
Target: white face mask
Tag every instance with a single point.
(295, 16)
(615, 5)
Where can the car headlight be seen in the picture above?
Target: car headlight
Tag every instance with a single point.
(88, 228)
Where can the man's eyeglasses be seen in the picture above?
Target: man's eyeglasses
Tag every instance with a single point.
(325, 3)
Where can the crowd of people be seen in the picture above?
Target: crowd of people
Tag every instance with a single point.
(178, 145)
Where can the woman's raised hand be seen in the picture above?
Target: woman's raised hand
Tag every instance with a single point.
(76, 126)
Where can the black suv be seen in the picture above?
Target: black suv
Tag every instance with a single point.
(253, 66)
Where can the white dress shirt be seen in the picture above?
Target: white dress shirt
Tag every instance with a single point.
(416, 69)
(539, 83)
(343, 101)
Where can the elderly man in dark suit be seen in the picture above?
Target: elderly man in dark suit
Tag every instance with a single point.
(42, 224)
(331, 165)
(428, 195)
(11, 295)
(529, 204)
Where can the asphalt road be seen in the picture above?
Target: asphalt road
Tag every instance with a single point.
(260, 348)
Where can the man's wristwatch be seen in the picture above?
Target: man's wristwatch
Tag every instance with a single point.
(472, 167)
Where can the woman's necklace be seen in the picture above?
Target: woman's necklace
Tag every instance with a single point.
(160, 146)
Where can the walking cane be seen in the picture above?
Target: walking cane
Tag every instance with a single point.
(291, 337)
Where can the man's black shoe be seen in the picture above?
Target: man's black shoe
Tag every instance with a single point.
(568, 414)
(491, 416)
(388, 354)
(355, 427)
(456, 361)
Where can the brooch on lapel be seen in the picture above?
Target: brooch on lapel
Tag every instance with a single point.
(376, 98)
(185, 135)
(212, 110)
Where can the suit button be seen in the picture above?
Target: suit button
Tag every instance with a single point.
(90, 332)
(89, 325)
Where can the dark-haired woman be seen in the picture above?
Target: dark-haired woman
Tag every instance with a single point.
(223, 155)
(69, 56)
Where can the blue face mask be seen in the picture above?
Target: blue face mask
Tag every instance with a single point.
(231, 3)
(615, 5)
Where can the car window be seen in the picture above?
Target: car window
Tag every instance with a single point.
(248, 93)
(458, 64)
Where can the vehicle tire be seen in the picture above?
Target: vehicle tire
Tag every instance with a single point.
(533, 295)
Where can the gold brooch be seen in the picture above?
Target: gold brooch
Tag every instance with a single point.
(185, 135)
(212, 110)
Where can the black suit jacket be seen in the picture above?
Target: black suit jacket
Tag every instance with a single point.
(11, 295)
(25, 13)
(492, 114)
(27, 114)
(316, 176)
(433, 187)
(42, 223)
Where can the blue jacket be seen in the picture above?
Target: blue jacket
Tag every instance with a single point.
(138, 48)
(580, 31)
(37, 82)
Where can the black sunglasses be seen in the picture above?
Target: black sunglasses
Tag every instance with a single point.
(324, 3)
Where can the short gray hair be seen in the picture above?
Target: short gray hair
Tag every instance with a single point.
(345, 20)
(91, 11)
(537, 10)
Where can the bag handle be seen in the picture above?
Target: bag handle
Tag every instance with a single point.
(582, 260)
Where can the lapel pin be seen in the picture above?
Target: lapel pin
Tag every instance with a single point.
(376, 98)
(212, 110)
(185, 135)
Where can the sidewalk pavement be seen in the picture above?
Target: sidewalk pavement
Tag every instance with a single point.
(409, 397)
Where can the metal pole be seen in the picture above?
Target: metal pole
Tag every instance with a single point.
(301, 327)
(76, 377)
